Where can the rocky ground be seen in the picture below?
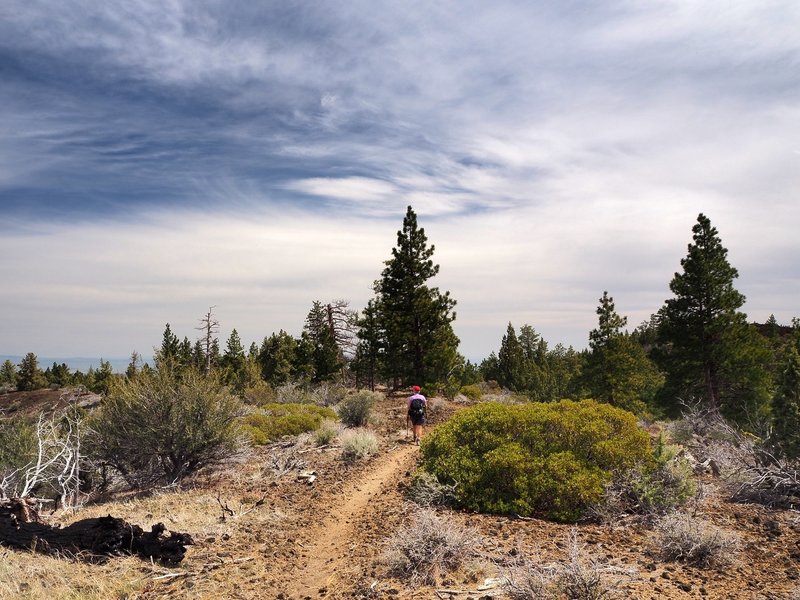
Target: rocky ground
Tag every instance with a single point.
(261, 531)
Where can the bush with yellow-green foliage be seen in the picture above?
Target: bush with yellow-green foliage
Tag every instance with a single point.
(472, 391)
(545, 459)
(275, 420)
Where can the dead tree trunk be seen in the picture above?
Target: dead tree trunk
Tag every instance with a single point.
(21, 527)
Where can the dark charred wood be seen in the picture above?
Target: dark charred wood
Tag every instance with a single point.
(21, 527)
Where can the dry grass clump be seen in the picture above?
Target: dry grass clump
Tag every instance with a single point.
(681, 537)
(26, 576)
(580, 577)
(358, 444)
(429, 547)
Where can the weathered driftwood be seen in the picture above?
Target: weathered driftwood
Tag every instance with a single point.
(21, 527)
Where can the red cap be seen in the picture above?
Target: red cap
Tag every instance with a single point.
(416, 388)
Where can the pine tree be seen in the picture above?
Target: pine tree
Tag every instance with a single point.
(59, 375)
(368, 360)
(618, 371)
(786, 407)
(490, 368)
(29, 375)
(609, 323)
(325, 354)
(170, 347)
(8, 374)
(536, 375)
(511, 362)
(102, 377)
(419, 342)
(233, 360)
(277, 356)
(707, 348)
(134, 365)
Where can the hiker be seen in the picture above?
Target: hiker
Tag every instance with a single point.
(417, 404)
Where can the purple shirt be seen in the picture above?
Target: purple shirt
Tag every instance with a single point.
(408, 402)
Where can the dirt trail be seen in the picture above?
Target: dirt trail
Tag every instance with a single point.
(335, 537)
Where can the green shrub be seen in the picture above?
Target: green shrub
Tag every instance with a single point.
(354, 411)
(276, 420)
(17, 449)
(550, 459)
(472, 391)
(17, 443)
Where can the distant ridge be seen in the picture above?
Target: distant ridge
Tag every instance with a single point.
(75, 363)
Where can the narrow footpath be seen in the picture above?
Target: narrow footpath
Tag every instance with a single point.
(335, 539)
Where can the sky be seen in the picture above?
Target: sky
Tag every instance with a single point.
(158, 158)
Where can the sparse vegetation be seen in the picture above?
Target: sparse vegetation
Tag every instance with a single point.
(358, 444)
(428, 547)
(580, 577)
(681, 537)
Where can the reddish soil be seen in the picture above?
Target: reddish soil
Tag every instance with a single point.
(330, 537)
(332, 549)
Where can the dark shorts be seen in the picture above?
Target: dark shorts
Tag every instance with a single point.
(417, 419)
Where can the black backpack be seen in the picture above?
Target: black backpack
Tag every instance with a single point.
(417, 408)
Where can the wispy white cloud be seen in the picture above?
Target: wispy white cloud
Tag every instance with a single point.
(259, 156)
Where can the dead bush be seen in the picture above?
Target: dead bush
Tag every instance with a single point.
(428, 547)
(750, 470)
(683, 538)
(580, 577)
(648, 491)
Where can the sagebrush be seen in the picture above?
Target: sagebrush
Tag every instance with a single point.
(358, 444)
(161, 426)
(355, 410)
(684, 538)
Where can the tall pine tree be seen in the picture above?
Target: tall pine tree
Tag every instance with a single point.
(420, 345)
(511, 362)
(707, 348)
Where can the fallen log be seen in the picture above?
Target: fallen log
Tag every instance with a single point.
(94, 538)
